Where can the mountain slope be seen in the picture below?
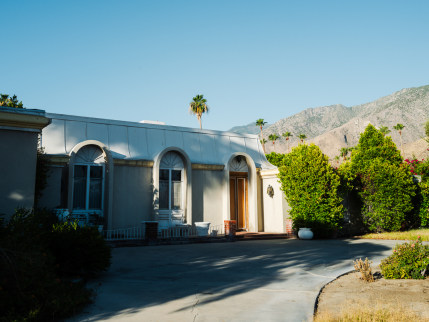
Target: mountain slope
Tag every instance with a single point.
(336, 126)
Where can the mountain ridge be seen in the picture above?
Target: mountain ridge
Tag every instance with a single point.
(335, 126)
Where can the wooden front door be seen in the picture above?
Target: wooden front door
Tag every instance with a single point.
(238, 199)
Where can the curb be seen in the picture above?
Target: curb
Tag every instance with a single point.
(316, 303)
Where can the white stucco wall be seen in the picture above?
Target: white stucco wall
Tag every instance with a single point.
(275, 208)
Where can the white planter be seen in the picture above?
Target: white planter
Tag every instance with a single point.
(202, 228)
(305, 233)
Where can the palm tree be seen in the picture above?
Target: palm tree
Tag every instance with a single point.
(273, 137)
(399, 127)
(198, 106)
(287, 135)
(263, 141)
(384, 130)
(302, 137)
(261, 123)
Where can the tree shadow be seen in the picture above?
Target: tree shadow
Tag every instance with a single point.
(143, 277)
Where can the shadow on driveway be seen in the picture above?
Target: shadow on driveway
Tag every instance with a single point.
(250, 280)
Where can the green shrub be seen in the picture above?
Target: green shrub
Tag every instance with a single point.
(382, 181)
(275, 158)
(387, 191)
(311, 188)
(424, 203)
(34, 283)
(409, 260)
(79, 251)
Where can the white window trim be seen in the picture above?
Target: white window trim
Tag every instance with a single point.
(88, 174)
(169, 189)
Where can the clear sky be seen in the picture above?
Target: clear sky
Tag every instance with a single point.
(145, 60)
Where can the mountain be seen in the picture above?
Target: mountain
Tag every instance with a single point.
(250, 128)
(336, 126)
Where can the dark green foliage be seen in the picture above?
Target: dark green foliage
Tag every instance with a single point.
(423, 190)
(383, 182)
(33, 284)
(275, 158)
(387, 191)
(373, 145)
(409, 260)
(42, 173)
(79, 251)
(6, 100)
(311, 187)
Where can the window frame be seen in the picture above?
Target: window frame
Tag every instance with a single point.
(88, 183)
(170, 195)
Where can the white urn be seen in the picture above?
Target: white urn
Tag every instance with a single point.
(305, 233)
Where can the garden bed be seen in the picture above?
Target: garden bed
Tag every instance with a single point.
(350, 296)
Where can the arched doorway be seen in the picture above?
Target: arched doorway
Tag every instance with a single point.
(171, 190)
(239, 192)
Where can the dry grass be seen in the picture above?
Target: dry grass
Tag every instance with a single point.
(364, 267)
(401, 235)
(360, 312)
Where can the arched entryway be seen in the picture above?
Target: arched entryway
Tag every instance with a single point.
(239, 192)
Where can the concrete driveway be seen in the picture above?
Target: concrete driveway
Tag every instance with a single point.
(269, 280)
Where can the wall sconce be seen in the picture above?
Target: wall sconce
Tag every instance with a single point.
(270, 191)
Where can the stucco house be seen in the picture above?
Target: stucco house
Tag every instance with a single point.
(130, 172)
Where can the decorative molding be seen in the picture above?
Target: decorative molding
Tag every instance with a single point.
(21, 120)
(270, 191)
(58, 159)
(133, 163)
(267, 174)
(211, 167)
(171, 160)
(89, 154)
(238, 164)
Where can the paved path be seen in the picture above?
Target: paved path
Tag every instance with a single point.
(270, 280)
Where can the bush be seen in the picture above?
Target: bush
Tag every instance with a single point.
(79, 251)
(34, 285)
(382, 181)
(387, 191)
(311, 188)
(364, 267)
(409, 260)
(275, 158)
(424, 203)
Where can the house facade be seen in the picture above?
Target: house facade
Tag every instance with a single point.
(128, 172)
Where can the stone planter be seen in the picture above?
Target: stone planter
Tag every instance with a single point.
(305, 233)
(202, 228)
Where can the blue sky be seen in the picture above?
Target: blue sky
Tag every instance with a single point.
(145, 60)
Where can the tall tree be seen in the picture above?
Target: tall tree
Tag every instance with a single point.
(261, 123)
(399, 127)
(384, 130)
(273, 138)
(7, 101)
(287, 136)
(198, 106)
(302, 137)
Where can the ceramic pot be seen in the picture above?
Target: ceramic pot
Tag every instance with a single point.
(202, 228)
(305, 233)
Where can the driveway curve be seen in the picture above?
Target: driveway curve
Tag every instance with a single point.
(267, 280)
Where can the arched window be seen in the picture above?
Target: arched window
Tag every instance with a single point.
(88, 180)
(171, 196)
